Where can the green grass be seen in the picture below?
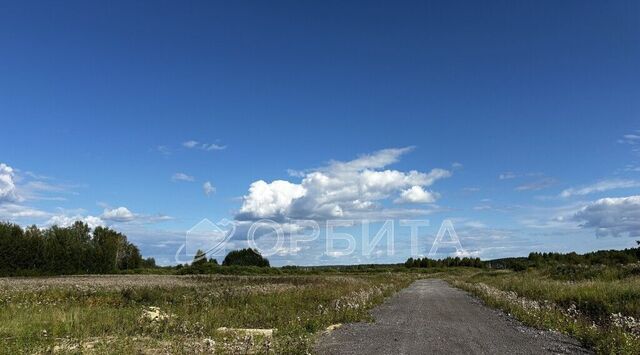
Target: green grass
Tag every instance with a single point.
(601, 310)
(600, 306)
(66, 317)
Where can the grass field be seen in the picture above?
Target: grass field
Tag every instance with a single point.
(600, 306)
(182, 314)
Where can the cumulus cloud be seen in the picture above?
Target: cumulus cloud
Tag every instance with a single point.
(348, 189)
(270, 200)
(182, 177)
(208, 188)
(8, 191)
(416, 194)
(66, 221)
(120, 214)
(612, 216)
(18, 186)
(601, 186)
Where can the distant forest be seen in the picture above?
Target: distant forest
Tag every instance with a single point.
(600, 257)
(69, 250)
(446, 262)
(77, 249)
(535, 259)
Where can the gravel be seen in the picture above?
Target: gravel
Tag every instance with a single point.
(432, 317)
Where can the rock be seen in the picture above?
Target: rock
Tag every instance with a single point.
(333, 327)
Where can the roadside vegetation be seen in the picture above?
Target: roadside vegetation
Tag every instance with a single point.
(593, 297)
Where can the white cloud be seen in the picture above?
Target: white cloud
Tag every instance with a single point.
(376, 160)
(208, 188)
(507, 175)
(124, 215)
(14, 189)
(191, 144)
(537, 185)
(182, 177)
(612, 216)
(109, 216)
(12, 211)
(270, 199)
(163, 149)
(158, 218)
(295, 173)
(45, 187)
(120, 214)
(416, 194)
(33, 175)
(633, 140)
(44, 190)
(601, 186)
(8, 191)
(349, 189)
(213, 146)
(66, 221)
(631, 167)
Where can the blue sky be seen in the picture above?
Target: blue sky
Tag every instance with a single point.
(529, 109)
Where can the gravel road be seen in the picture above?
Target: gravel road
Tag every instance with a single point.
(432, 317)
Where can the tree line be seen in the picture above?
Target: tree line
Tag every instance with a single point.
(536, 259)
(66, 250)
(553, 259)
(446, 262)
(600, 257)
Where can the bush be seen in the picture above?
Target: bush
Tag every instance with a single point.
(519, 265)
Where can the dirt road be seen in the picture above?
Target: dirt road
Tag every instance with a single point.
(432, 317)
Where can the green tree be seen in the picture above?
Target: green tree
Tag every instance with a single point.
(149, 263)
(245, 257)
(200, 258)
(65, 250)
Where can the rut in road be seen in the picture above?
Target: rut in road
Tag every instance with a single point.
(432, 317)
